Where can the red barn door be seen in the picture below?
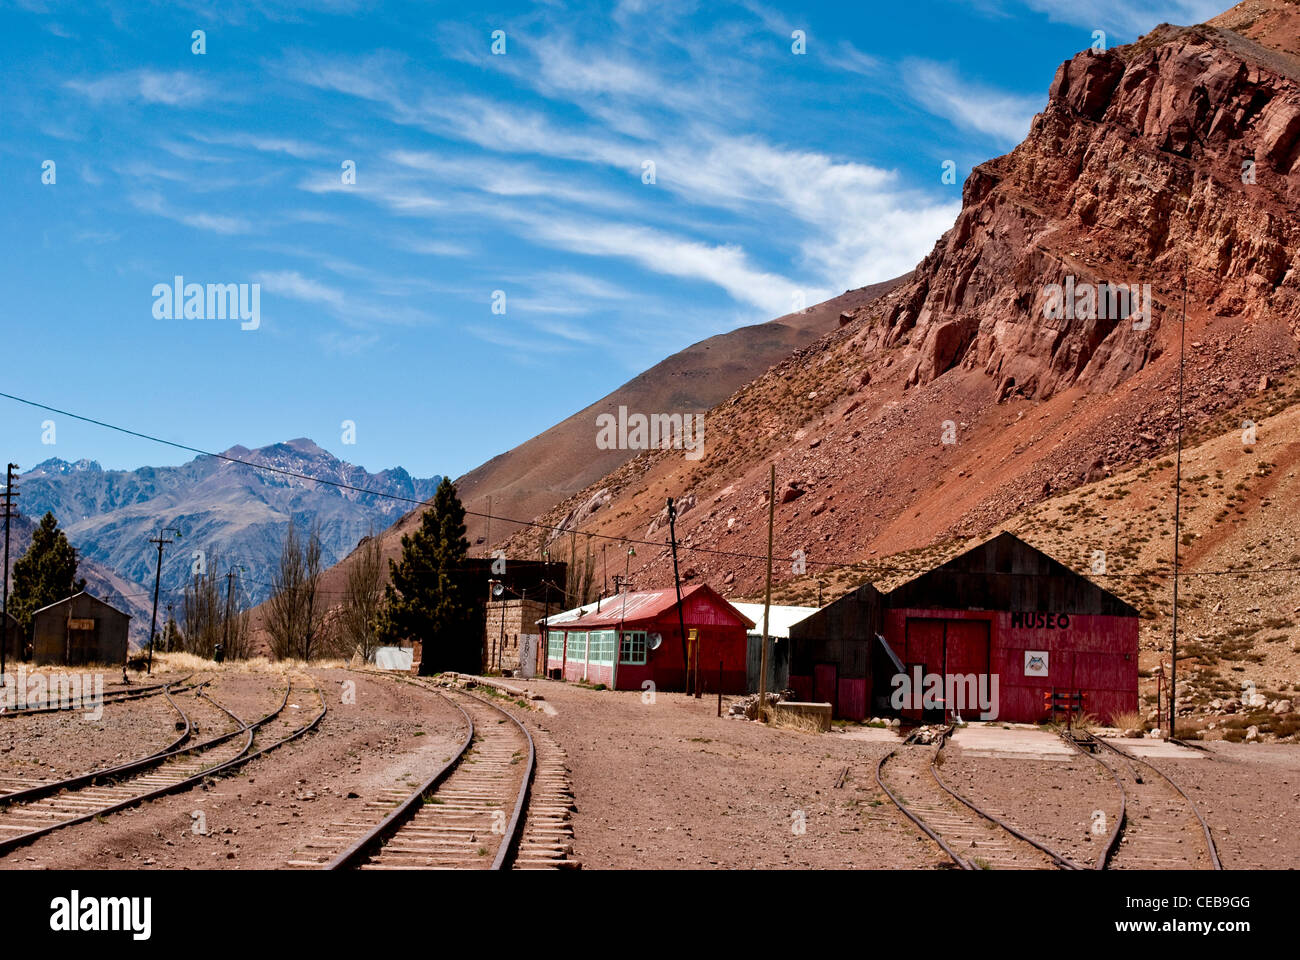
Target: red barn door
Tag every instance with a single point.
(967, 652)
(923, 648)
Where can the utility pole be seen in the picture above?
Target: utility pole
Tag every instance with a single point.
(622, 616)
(681, 619)
(11, 474)
(161, 541)
(1178, 493)
(230, 588)
(767, 599)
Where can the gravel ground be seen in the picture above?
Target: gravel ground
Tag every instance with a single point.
(670, 785)
(54, 745)
(1059, 813)
(1249, 794)
(662, 785)
(258, 817)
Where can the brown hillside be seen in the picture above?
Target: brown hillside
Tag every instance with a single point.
(1133, 170)
(536, 475)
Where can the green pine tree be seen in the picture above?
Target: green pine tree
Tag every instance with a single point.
(45, 574)
(427, 598)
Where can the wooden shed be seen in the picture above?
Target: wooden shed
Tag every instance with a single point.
(635, 637)
(78, 630)
(1004, 616)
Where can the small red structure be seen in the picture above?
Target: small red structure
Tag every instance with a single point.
(636, 637)
(1000, 625)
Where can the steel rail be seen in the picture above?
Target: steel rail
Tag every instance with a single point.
(12, 843)
(1215, 862)
(114, 696)
(359, 851)
(1061, 860)
(106, 773)
(961, 861)
(1112, 842)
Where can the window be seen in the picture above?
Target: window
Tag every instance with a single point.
(633, 648)
(601, 647)
(577, 646)
(555, 645)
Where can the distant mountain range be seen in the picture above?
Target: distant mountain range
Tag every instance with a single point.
(236, 512)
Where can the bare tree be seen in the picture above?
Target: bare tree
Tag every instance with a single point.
(295, 615)
(363, 599)
(212, 614)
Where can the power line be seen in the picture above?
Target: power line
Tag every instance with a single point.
(712, 551)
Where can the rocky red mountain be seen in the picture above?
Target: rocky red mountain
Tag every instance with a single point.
(1176, 154)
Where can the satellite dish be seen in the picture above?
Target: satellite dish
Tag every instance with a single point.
(498, 588)
(654, 640)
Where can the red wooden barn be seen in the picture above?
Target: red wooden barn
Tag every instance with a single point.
(999, 626)
(636, 637)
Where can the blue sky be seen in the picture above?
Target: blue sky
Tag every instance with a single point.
(779, 179)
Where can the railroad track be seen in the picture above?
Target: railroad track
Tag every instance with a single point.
(972, 837)
(1159, 827)
(31, 812)
(111, 696)
(499, 802)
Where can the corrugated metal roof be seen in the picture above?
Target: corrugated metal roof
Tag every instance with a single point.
(91, 596)
(780, 619)
(568, 616)
(640, 605)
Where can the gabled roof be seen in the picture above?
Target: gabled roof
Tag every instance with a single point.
(1005, 573)
(647, 605)
(89, 596)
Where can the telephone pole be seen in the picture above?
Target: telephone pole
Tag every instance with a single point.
(161, 541)
(230, 592)
(11, 475)
(767, 595)
(681, 619)
(1178, 493)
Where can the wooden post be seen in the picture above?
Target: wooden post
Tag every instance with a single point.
(767, 600)
(719, 688)
(695, 650)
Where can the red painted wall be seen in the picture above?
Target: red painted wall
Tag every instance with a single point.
(1096, 654)
(721, 639)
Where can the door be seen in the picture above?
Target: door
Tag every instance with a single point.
(966, 655)
(923, 647)
(947, 649)
(825, 679)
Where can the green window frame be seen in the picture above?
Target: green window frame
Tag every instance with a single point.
(632, 650)
(578, 645)
(554, 644)
(601, 647)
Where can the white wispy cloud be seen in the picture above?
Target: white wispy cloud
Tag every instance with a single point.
(157, 205)
(176, 88)
(292, 284)
(971, 106)
(1122, 16)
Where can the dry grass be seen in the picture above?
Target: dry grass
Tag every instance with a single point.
(182, 662)
(1128, 720)
(787, 720)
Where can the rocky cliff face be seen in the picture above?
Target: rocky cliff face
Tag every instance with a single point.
(1009, 366)
(1182, 149)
